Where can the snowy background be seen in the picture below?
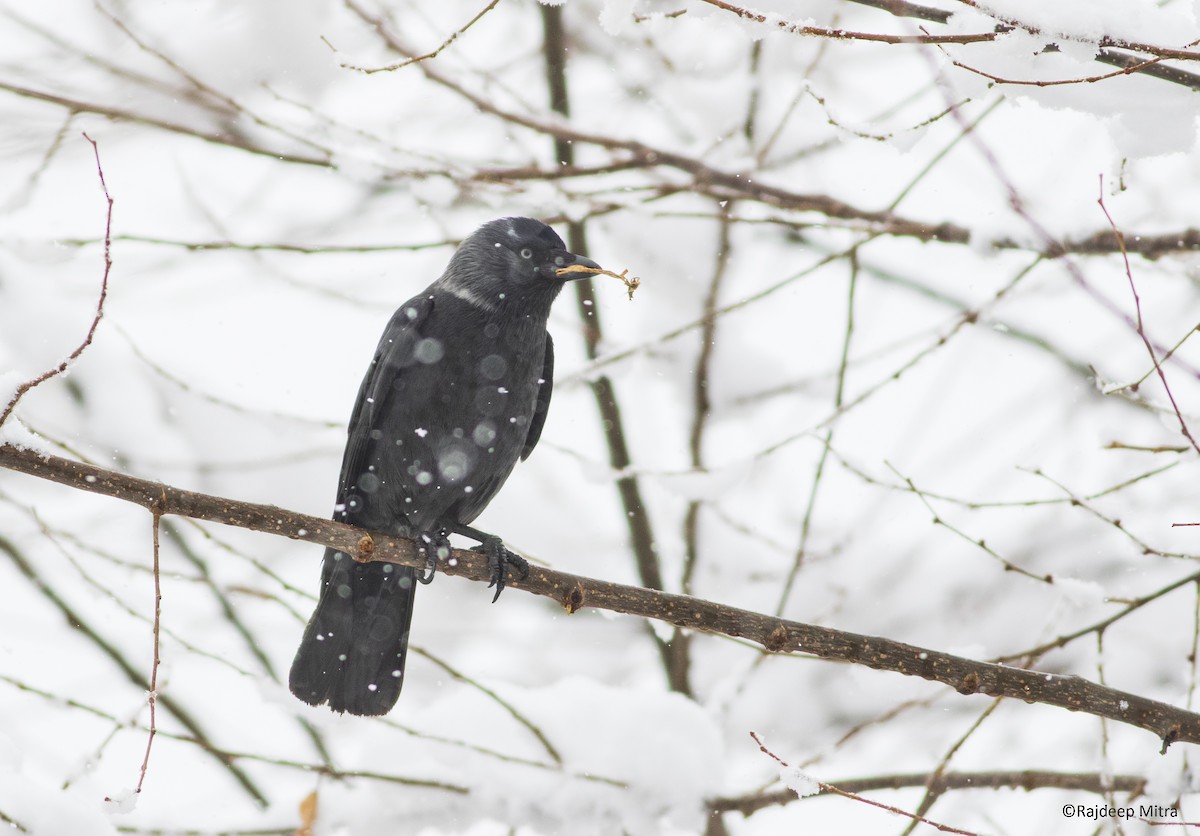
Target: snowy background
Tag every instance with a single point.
(893, 423)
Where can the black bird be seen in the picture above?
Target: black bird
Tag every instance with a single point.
(456, 394)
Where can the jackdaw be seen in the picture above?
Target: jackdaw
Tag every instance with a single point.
(456, 394)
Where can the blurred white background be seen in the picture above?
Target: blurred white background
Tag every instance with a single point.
(893, 335)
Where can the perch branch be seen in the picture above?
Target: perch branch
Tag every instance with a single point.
(573, 592)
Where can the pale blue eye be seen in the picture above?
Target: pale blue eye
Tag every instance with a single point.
(527, 253)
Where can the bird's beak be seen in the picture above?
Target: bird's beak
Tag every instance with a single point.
(571, 260)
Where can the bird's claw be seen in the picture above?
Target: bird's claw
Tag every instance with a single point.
(499, 561)
(435, 545)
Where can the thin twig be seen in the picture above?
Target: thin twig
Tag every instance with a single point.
(935, 787)
(801, 550)
(1056, 82)
(503, 703)
(121, 115)
(72, 617)
(418, 58)
(830, 788)
(225, 106)
(701, 402)
(792, 28)
(1028, 780)
(939, 520)
(153, 693)
(1141, 330)
(91, 332)
(1099, 626)
(220, 245)
(1049, 243)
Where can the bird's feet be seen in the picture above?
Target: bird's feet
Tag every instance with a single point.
(499, 561)
(436, 546)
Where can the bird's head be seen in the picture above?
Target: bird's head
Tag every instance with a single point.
(512, 258)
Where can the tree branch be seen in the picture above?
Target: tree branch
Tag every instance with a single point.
(573, 592)
(121, 115)
(1028, 779)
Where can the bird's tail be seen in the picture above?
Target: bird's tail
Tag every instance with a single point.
(352, 654)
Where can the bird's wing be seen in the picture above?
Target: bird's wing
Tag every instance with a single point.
(394, 353)
(545, 388)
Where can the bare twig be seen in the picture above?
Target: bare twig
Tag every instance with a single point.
(302, 249)
(1028, 780)
(225, 105)
(91, 332)
(418, 58)
(833, 790)
(1101, 625)
(503, 703)
(1126, 69)
(701, 402)
(118, 114)
(810, 506)
(1049, 243)
(326, 767)
(1141, 330)
(939, 520)
(78, 622)
(152, 695)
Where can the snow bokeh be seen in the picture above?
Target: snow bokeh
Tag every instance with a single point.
(985, 399)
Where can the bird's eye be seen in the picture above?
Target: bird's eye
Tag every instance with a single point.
(527, 253)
